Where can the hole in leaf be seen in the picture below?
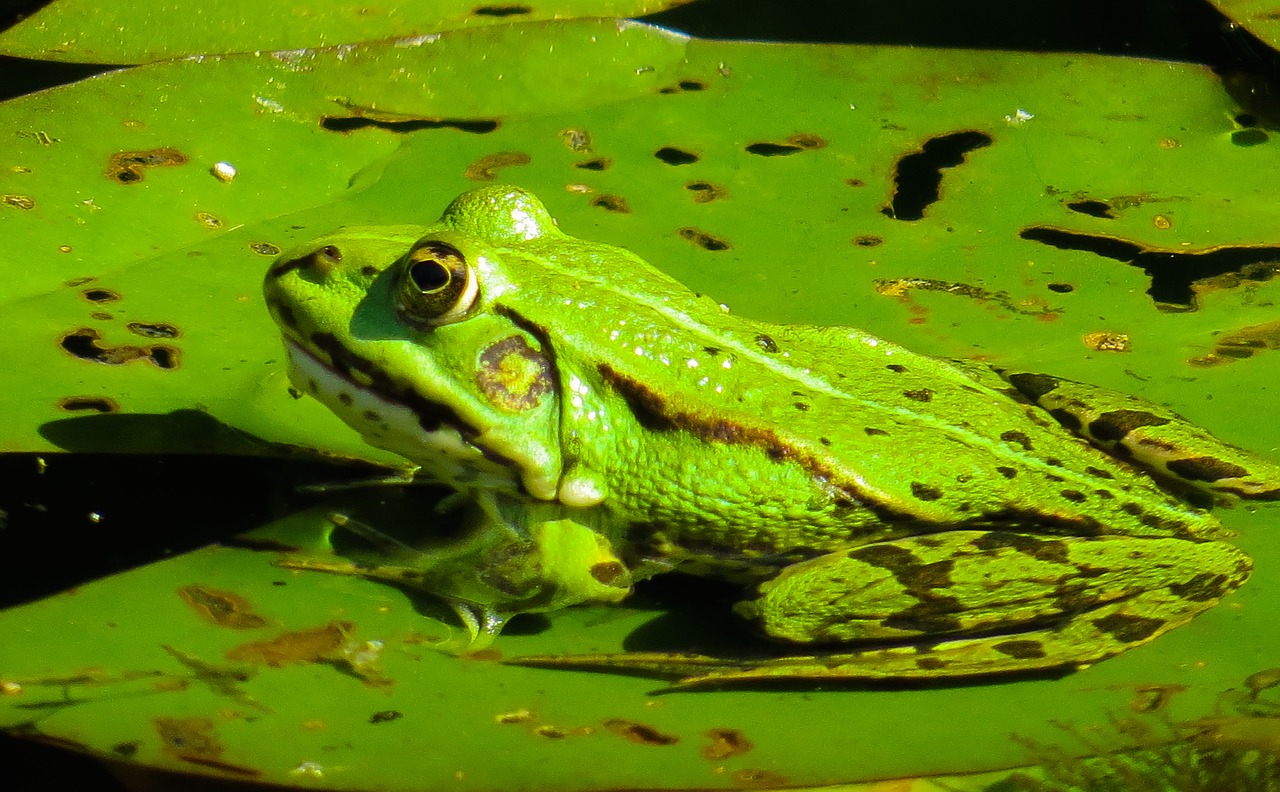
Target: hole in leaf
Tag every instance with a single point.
(501, 10)
(347, 124)
(674, 156)
(918, 177)
(1172, 272)
(1092, 208)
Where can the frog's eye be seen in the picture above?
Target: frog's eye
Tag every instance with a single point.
(436, 285)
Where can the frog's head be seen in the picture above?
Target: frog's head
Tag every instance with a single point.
(401, 332)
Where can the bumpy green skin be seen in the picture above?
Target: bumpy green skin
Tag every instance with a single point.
(868, 493)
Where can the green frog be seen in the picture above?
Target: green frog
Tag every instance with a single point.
(889, 515)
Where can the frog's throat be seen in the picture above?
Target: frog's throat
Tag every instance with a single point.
(427, 433)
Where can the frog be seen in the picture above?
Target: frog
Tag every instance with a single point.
(888, 515)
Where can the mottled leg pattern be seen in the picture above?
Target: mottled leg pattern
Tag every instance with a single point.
(965, 603)
(1150, 435)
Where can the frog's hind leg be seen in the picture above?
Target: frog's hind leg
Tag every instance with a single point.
(968, 603)
(1150, 435)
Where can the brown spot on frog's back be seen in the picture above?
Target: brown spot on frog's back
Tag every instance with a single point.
(1021, 649)
(1116, 424)
(1206, 468)
(1128, 628)
(925, 492)
(1204, 587)
(1014, 437)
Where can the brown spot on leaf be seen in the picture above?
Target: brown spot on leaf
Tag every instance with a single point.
(1075, 496)
(683, 86)
(129, 167)
(300, 646)
(195, 740)
(486, 168)
(725, 743)
(639, 732)
(153, 329)
(577, 140)
(221, 608)
(705, 192)
(594, 164)
(702, 239)
(385, 716)
(921, 395)
(1006, 471)
(792, 145)
(1241, 344)
(611, 203)
(86, 344)
(23, 202)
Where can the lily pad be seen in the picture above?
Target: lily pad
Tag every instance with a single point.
(140, 32)
(1095, 217)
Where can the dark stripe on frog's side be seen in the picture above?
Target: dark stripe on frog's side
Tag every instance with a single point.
(651, 411)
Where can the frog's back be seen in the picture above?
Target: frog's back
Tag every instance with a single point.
(911, 438)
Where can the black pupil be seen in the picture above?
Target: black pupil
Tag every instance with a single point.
(429, 275)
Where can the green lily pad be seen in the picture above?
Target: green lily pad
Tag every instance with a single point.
(141, 32)
(1095, 217)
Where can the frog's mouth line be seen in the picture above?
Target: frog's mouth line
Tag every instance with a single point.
(375, 388)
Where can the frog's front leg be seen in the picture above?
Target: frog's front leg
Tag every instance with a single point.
(494, 572)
